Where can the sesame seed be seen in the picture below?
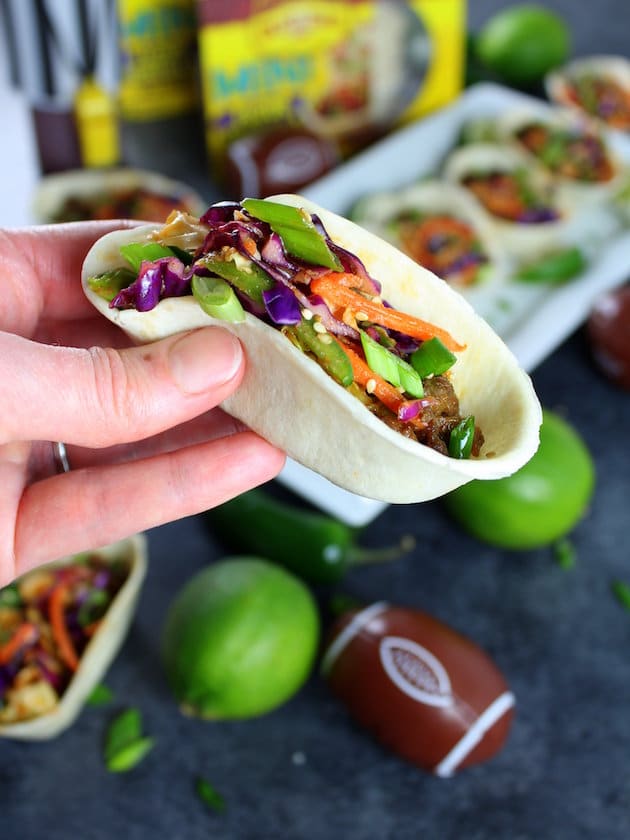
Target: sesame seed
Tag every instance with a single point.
(325, 338)
(370, 386)
(307, 314)
(361, 316)
(377, 299)
(319, 327)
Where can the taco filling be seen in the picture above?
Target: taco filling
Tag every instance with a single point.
(602, 97)
(47, 619)
(445, 245)
(580, 156)
(278, 263)
(510, 196)
(132, 203)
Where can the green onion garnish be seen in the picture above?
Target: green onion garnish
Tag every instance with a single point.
(101, 695)
(209, 795)
(462, 438)
(294, 226)
(621, 591)
(125, 746)
(432, 358)
(565, 554)
(217, 298)
(138, 252)
(391, 367)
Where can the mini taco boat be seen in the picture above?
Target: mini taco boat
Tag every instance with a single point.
(439, 226)
(124, 193)
(598, 85)
(331, 318)
(61, 626)
(572, 150)
(515, 194)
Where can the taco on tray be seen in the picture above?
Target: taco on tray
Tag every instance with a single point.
(361, 364)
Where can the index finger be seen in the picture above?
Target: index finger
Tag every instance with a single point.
(56, 253)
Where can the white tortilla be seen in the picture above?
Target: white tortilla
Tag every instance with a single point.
(288, 399)
(522, 241)
(100, 651)
(558, 82)
(435, 197)
(571, 192)
(54, 190)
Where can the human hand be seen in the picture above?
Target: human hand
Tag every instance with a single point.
(144, 438)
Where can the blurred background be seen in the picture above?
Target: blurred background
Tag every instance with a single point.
(133, 108)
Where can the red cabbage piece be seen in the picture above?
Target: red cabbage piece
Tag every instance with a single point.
(282, 305)
(165, 277)
(222, 211)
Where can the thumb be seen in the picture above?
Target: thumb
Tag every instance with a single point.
(100, 396)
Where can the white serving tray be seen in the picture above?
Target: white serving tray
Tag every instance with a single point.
(533, 320)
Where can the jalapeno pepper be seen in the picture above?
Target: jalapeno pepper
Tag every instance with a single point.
(318, 548)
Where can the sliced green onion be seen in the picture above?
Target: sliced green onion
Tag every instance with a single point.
(108, 285)
(130, 755)
(391, 367)
(217, 298)
(294, 226)
(462, 438)
(101, 695)
(565, 554)
(138, 252)
(328, 352)
(432, 358)
(621, 591)
(209, 795)
(124, 729)
(554, 268)
(252, 282)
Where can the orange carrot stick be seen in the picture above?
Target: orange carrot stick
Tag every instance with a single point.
(339, 290)
(25, 634)
(61, 636)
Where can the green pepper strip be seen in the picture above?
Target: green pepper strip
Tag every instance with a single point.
(138, 252)
(462, 437)
(318, 548)
(294, 226)
(252, 283)
(108, 285)
(330, 354)
(432, 358)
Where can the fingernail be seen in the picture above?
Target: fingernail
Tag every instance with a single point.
(204, 359)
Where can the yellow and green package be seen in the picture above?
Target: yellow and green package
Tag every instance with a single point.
(347, 70)
(158, 55)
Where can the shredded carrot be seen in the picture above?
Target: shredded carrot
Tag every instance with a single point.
(61, 636)
(382, 390)
(338, 290)
(25, 634)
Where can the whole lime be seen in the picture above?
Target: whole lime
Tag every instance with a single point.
(539, 503)
(522, 43)
(240, 638)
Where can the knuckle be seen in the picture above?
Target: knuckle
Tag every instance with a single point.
(111, 389)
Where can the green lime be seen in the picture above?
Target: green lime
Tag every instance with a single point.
(537, 505)
(522, 43)
(240, 638)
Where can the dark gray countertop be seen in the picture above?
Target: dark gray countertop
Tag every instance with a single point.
(559, 635)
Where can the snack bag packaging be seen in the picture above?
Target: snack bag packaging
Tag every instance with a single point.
(343, 72)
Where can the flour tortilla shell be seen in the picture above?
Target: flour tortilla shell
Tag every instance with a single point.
(288, 399)
(101, 650)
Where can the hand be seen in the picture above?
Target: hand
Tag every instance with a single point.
(144, 439)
